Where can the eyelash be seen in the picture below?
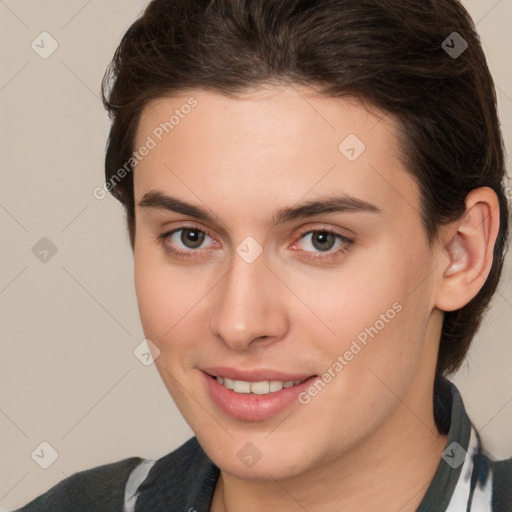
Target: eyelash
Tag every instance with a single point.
(329, 256)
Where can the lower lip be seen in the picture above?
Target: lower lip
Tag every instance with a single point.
(252, 407)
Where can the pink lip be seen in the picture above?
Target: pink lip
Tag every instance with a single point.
(254, 375)
(252, 407)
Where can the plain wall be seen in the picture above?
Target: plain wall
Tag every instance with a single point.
(69, 325)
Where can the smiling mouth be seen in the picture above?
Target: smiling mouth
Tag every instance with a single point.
(263, 387)
(260, 397)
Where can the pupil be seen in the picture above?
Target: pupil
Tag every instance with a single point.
(324, 235)
(192, 235)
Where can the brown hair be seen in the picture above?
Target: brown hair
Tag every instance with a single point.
(388, 52)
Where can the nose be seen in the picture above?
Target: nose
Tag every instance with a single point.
(249, 308)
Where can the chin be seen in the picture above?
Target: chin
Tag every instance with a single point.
(253, 457)
(262, 470)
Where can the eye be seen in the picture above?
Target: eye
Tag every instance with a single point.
(190, 237)
(323, 240)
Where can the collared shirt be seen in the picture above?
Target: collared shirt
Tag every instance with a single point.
(467, 479)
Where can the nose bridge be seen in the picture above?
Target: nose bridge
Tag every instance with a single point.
(246, 307)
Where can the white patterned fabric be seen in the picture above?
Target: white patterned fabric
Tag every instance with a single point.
(481, 501)
(137, 476)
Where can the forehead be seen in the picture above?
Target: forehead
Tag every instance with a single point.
(273, 145)
(268, 113)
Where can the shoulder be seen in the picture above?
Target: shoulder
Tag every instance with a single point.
(99, 489)
(186, 474)
(181, 480)
(502, 484)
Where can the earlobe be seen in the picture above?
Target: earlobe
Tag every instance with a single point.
(469, 244)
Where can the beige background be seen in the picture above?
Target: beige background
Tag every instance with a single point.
(69, 326)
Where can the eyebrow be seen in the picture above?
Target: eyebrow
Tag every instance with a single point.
(330, 203)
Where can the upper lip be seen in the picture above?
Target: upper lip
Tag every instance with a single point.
(254, 374)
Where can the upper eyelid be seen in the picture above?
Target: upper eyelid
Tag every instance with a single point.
(340, 236)
(326, 228)
(321, 226)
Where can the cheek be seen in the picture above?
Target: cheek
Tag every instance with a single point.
(160, 313)
(354, 298)
(153, 297)
(377, 310)
(169, 302)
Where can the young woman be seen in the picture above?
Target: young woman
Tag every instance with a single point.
(314, 196)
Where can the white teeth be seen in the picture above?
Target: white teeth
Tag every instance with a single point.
(258, 388)
(229, 383)
(275, 385)
(240, 386)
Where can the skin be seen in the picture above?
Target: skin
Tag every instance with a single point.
(368, 440)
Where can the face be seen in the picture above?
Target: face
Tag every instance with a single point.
(278, 247)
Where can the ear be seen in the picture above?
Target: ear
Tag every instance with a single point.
(466, 250)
